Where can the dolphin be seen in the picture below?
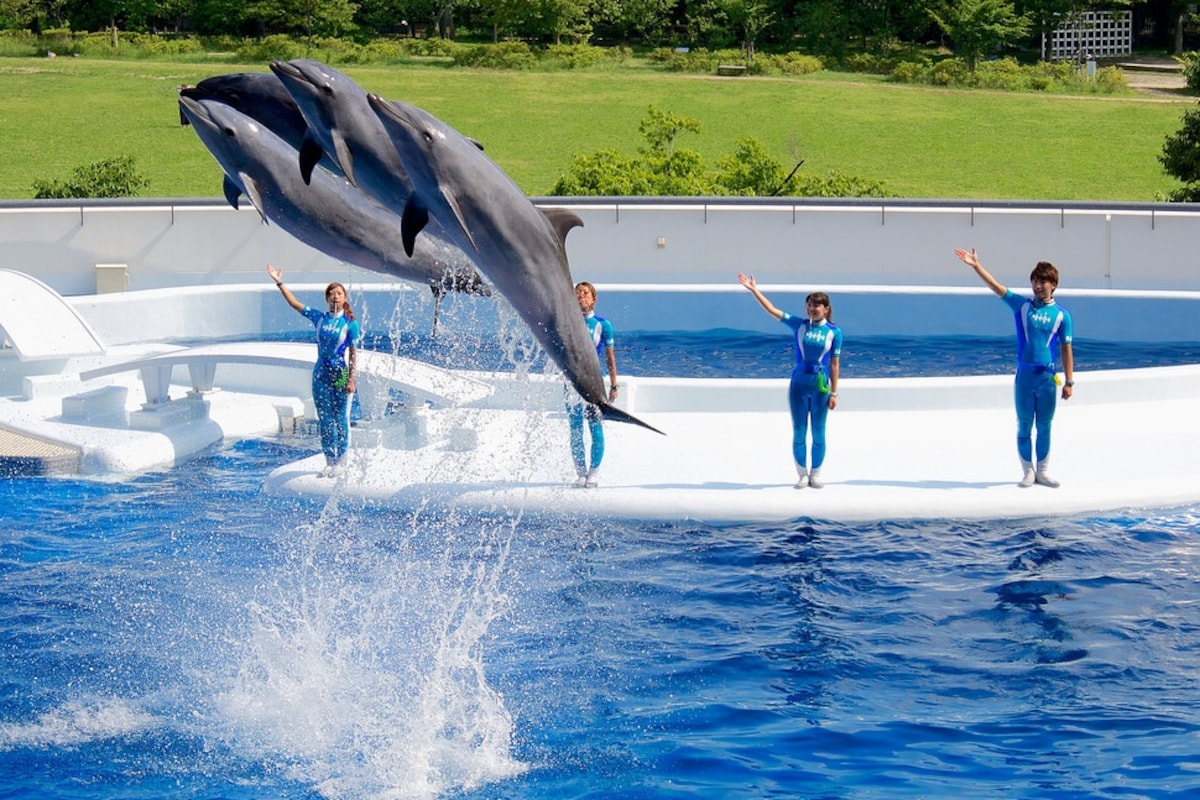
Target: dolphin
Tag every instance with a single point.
(520, 248)
(329, 214)
(262, 96)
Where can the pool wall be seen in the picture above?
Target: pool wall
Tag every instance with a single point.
(195, 269)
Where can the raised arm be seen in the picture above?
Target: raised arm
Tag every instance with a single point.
(277, 276)
(749, 283)
(969, 258)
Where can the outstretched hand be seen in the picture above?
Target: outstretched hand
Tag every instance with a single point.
(275, 272)
(968, 257)
(747, 281)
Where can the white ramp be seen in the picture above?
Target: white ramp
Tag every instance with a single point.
(424, 381)
(39, 323)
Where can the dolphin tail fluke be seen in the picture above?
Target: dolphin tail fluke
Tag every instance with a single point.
(617, 415)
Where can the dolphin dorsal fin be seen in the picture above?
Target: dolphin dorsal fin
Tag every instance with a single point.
(562, 220)
(232, 191)
(311, 153)
(414, 218)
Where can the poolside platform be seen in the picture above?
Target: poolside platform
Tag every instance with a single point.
(921, 448)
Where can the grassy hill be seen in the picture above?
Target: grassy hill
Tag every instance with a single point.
(58, 114)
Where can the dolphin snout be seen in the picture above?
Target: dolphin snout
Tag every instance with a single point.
(282, 68)
(385, 106)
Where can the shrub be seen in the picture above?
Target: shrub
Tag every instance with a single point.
(911, 72)
(270, 48)
(505, 55)
(114, 177)
(795, 63)
(1191, 70)
(575, 56)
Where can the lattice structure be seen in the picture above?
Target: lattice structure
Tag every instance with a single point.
(1095, 33)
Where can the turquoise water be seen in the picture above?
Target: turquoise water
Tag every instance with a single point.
(183, 635)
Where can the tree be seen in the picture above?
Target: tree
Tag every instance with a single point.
(750, 18)
(980, 26)
(308, 17)
(1180, 158)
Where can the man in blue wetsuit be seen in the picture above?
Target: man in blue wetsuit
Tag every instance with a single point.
(812, 393)
(1042, 326)
(601, 331)
(338, 334)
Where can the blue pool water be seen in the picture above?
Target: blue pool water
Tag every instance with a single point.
(183, 635)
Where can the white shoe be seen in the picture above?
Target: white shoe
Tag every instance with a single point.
(803, 473)
(1041, 478)
(327, 472)
(814, 479)
(593, 479)
(580, 482)
(1027, 475)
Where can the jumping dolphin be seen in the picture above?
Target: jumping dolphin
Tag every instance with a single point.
(329, 214)
(261, 96)
(517, 246)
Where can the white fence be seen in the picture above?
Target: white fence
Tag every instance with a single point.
(1093, 33)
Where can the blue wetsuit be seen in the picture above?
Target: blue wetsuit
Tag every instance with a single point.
(601, 331)
(1042, 328)
(335, 334)
(808, 394)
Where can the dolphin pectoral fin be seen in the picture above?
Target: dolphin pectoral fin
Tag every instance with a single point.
(452, 199)
(311, 154)
(251, 191)
(232, 191)
(617, 415)
(414, 218)
(345, 159)
(562, 220)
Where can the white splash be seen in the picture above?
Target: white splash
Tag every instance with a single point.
(77, 722)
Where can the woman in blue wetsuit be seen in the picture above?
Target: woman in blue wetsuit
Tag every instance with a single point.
(338, 335)
(813, 390)
(1042, 326)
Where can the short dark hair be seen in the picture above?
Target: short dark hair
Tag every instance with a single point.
(1044, 271)
(821, 299)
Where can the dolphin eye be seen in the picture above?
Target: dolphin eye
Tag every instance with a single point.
(229, 131)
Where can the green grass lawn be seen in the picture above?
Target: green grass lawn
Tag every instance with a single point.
(59, 114)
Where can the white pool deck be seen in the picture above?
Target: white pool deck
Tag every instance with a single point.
(899, 448)
(1135, 444)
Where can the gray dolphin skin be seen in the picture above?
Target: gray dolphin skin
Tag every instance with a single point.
(518, 248)
(328, 214)
(342, 125)
(261, 96)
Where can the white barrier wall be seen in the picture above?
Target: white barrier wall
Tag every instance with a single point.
(693, 241)
(1129, 272)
